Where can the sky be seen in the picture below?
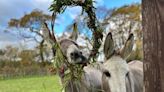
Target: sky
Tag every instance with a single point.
(17, 8)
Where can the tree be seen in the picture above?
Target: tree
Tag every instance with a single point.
(27, 57)
(121, 22)
(11, 53)
(35, 18)
(32, 23)
(153, 46)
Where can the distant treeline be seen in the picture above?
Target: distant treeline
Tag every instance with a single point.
(11, 69)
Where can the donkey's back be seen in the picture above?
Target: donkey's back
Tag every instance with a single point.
(136, 68)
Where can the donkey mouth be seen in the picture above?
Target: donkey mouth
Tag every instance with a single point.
(84, 63)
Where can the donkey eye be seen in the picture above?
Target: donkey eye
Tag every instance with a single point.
(107, 74)
(81, 53)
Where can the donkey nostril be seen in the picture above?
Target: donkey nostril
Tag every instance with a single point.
(72, 54)
(107, 73)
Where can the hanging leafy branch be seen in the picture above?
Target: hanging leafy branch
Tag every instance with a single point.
(73, 72)
(59, 6)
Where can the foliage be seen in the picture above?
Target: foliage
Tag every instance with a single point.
(11, 69)
(132, 10)
(36, 16)
(15, 62)
(59, 6)
(13, 22)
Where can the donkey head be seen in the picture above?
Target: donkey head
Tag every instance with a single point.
(116, 72)
(72, 52)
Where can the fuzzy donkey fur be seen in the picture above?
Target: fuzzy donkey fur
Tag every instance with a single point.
(91, 78)
(118, 75)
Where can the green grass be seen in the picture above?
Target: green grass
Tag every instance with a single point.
(31, 84)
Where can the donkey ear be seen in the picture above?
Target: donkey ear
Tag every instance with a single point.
(74, 34)
(108, 46)
(127, 49)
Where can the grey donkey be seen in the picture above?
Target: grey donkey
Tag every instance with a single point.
(91, 77)
(118, 75)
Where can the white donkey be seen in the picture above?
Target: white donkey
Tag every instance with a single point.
(118, 75)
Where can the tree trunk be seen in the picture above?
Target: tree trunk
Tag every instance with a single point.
(153, 45)
(41, 50)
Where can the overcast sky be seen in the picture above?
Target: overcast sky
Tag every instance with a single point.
(17, 8)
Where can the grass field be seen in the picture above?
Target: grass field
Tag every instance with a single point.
(31, 84)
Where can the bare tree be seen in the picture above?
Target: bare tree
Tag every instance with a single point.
(153, 46)
(30, 24)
